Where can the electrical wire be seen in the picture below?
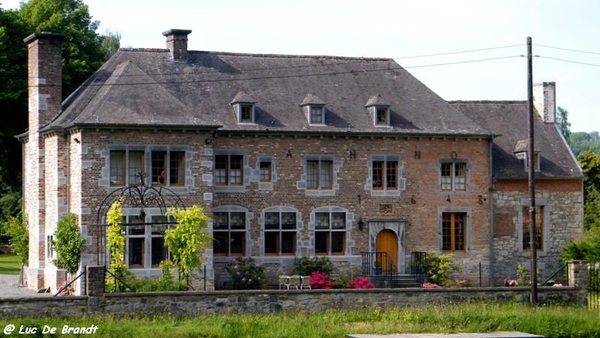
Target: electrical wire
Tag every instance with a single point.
(570, 61)
(569, 49)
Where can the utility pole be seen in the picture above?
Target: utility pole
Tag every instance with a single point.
(531, 177)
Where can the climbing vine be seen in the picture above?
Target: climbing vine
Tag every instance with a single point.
(188, 239)
(116, 246)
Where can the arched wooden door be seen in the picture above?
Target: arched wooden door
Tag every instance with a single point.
(387, 241)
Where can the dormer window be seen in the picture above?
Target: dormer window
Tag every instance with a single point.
(380, 111)
(244, 108)
(314, 109)
(521, 150)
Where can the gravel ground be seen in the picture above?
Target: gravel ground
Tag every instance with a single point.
(9, 288)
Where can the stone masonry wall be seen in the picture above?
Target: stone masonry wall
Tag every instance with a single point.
(562, 222)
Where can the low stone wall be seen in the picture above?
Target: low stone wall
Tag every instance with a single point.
(270, 301)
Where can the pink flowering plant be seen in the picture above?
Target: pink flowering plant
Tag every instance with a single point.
(245, 273)
(428, 285)
(320, 280)
(361, 283)
(510, 282)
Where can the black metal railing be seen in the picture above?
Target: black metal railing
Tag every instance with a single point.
(377, 263)
(552, 279)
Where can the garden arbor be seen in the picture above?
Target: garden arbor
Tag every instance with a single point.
(144, 221)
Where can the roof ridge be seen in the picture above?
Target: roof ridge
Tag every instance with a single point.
(293, 56)
(487, 101)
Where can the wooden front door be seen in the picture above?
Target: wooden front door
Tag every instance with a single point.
(387, 241)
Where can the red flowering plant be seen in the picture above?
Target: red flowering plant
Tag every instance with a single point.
(320, 280)
(361, 283)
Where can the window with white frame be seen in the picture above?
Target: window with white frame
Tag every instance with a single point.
(246, 112)
(229, 233)
(49, 247)
(453, 176)
(280, 233)
(330, 233)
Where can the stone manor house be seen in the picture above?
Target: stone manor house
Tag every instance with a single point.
(291, 156)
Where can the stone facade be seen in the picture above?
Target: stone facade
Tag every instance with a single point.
(562, 203)
(69, 170)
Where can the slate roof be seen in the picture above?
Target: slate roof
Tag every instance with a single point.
(509, 119)
(145, 87)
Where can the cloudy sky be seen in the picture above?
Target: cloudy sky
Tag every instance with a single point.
(463, 50)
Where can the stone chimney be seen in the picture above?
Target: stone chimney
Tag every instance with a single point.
(177, 43)
(544, 101)
(44, 78)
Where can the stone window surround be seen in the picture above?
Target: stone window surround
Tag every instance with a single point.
(469, 187)
(256, 173)
(468, 228)
(385, 192)
(539, 202)
(337, 166)
(249, 217)
(299, 227)
(143, 271)
(349, 243)
(388, 116)
(147, 149)
(246, 172)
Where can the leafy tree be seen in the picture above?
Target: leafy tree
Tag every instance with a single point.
(13, 96)
(188, 239)
(110, 43)
(68, 243)
(590, 163)
(18, 230)
(81, 49)
(582, 141)
(562, 121)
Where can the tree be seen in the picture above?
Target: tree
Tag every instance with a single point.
(18, 230)
(68, 243)
(590, 164)
(188, 239)
(81, 48)
(111, 43)
(562, 121)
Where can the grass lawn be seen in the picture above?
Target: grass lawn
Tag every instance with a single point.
(9, 264)
(549, 321)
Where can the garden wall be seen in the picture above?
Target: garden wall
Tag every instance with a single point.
(273, 301)
(270, 301)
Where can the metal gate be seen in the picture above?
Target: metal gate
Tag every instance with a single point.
(594, 286)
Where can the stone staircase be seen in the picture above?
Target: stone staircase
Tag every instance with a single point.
(396, 280)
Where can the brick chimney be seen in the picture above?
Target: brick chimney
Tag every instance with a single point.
(544, 101)
(44, 78)
(177, 43)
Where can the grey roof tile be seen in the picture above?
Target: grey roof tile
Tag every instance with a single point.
(139, 87)
(509, 119)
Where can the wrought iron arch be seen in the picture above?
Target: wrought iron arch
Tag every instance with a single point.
(140, 196)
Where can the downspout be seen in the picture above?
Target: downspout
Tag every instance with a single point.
(491, 199)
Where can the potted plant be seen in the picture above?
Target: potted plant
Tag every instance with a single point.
(377, 267)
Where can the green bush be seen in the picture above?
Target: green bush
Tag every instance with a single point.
(438, 268)
(245, 273)
(306, 266)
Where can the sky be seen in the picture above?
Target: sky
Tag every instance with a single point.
(462, 50)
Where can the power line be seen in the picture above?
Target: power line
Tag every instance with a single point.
(457, 52)
(569, 50)
(462, 62)
(571, 61)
